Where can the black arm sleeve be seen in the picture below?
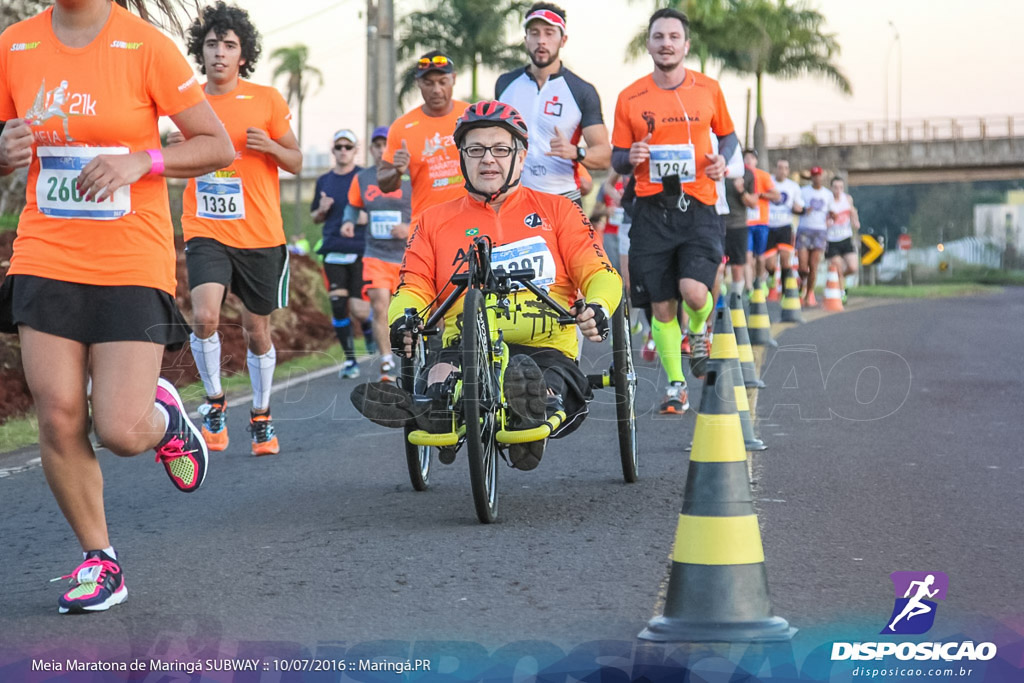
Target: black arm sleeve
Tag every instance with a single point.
(620, 161)
(727, 145)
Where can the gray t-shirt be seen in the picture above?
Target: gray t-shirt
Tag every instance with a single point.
(385, 211)
(737, 216)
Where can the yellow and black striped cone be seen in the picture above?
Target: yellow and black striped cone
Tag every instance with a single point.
(718, 586)
(724, 347)
(791, 310)
(739, 325)
(759, 326)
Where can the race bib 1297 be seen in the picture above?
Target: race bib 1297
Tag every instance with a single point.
(529, 253)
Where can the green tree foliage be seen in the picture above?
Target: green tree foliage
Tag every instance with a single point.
(472, 33)
(13, 11)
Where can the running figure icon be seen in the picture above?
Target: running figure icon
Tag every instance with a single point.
(915, 607)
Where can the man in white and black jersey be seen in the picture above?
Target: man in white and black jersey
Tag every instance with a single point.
(781, 242)
(560, 108)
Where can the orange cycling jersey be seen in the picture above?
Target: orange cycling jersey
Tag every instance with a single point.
(548, 233)
(762, 183)
(240, 205)
(434, 164)
(675, 119)
(104, 98)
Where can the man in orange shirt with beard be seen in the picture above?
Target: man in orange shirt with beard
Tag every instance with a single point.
(420, 142)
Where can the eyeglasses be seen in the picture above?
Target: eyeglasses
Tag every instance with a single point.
(428, 62)
(344, 147)
(497, 151)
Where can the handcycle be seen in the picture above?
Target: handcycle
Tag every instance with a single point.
(475, 392)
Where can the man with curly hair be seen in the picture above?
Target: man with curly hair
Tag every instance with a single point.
(231, 218)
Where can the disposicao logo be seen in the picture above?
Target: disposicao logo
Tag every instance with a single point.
(913, 613)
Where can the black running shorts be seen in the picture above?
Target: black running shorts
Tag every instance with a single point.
(259, 277)
(781, 237)
(736, 246)
(840, 248)
(347, 276)
(667, 244)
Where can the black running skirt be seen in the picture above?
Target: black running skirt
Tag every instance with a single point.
(91, 314)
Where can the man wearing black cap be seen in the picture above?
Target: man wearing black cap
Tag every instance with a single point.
(560, 108)
(388, 228)
(420, 141)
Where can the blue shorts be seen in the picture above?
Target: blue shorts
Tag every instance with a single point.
(757, 239)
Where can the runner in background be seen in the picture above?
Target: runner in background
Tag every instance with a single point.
(843, 223)
(234, 237)
(560, 108)
(811, 237)
(764, 192)
(781, 239)
(342, 254)
(91, 284)
(420, 141)
(389, 216)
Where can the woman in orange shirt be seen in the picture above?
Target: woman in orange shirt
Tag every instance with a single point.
(91, 286)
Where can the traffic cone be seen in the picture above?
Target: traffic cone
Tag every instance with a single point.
(739, 325)
(833, 291)
(726, 349)
(718, 586)
(791, 296)
(759, 325)
(775, 291)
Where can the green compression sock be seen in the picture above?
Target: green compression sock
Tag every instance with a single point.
(698, 319)
(668, 339)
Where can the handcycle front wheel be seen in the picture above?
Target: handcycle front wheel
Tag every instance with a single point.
(418, 458)
(624, 381)
(480, 403)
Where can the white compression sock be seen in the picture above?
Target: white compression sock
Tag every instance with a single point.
(206, 353)
(261, 375)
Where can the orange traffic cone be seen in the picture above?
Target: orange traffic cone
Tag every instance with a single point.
(718, 587)
(833, 291)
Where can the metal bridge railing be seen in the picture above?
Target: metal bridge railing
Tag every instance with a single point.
(910, 130)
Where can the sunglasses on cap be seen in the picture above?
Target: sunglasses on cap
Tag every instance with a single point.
(345, 147)
(430, 62)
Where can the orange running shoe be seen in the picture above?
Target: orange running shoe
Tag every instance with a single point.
(264, 440)
(215, 428)
(676, 400)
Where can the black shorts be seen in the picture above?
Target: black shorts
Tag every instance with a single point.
(561, 373)
(348, 276)
(736, 246)
(667, 244)
(840, 248)
(780, 238)
(91, 314)
(259, 277)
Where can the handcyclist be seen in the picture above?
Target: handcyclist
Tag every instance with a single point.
(542, 374)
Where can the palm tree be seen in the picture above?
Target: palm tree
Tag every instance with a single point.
(293, 63)
(709, 29)
(473, 33)
(782, 40)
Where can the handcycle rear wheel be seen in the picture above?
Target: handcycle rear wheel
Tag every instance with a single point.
(480, 404)
(624, 382)
(418, 458)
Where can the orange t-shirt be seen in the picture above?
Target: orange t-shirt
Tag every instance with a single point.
(434, 165)
(548, 232)
(762, 183)
(240, 205)
(644, 108)
(102, 98)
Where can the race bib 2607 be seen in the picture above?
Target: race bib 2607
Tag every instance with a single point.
(57, 185)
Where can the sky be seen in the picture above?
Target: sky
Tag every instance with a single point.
(959, 59)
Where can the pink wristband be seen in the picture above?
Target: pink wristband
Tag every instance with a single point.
(157, 157)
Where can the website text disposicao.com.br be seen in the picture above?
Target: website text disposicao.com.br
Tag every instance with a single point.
(870, 672)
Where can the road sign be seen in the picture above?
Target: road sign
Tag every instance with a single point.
(905, 242)
(873, 249)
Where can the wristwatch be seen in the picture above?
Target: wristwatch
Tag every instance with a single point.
(581, 154)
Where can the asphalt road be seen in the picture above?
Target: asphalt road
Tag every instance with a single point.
(895, 444)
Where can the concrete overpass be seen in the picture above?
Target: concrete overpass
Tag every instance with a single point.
(921, 151)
